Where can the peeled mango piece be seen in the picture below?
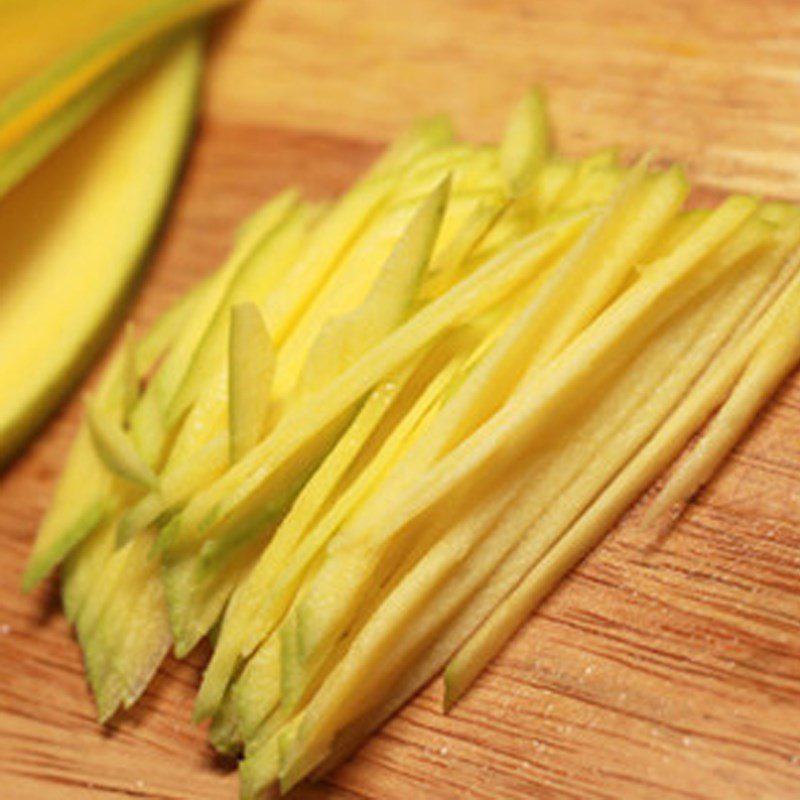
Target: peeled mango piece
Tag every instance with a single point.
(85, 218)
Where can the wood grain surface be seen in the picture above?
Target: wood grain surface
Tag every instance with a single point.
(663, 667)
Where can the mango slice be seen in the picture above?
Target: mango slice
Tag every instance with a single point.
(115, 178)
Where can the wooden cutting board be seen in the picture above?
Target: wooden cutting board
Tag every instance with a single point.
(660, 669)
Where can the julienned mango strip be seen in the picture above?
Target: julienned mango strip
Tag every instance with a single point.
(251, 363)
(526, 143)
(675, 431)
(116, 450)
(614, 335)
(244, 488)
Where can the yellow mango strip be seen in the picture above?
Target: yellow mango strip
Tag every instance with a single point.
(256, 773)
(260, 679)
(775, 358)
(87, 581)
(275, 239)
(237, 497)
(244, 606)
(147, 429)
(429, 134)
(83, 494)
(223, 732)
(380, 525)
(550, 184)
(116, 450)
(344, 339)
(591, 188)
(681, 228)
(630, 396)
(32, 102)
(251, 363)
(128, 584)
(526, 143)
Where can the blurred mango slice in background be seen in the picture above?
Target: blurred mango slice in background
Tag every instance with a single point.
(78, 212)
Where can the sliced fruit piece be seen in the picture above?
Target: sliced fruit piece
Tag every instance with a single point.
(251, 365)
(526, 142)
(115, 177)
(116, 450)
(444, 272)
(18, 160)
(256, 692)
